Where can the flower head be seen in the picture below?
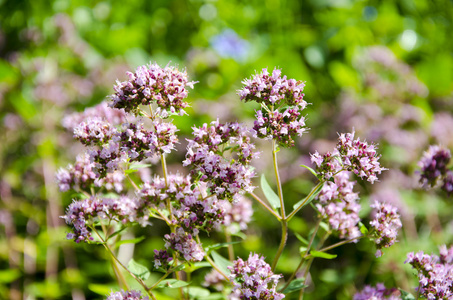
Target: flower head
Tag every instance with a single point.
(351, 155)
(152, 84)
(127, 295)
(378, 293)
(433, 165)
(254, 279)
(435, 273)
(385, 224)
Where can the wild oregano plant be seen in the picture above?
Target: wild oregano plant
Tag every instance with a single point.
(212, 190)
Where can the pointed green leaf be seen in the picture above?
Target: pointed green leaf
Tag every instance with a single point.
(302, 250)
(311, 170)
(363, 228)
(131, 241)
(295, 285)
(271, 196)
(138, 270)
(198, 292)
(312, 197)
(221, 262)
(300, 238)
(320, 254)
(406, 296)
(197, 265)
(172, 283)
(208, 249)
(101, 289)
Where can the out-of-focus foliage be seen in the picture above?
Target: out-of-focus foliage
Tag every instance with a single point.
(382, 67)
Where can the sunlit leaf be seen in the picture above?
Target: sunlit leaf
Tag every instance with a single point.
(138, 270)
(271, 196)
(320, 254)
(221, 262)
(295, 285)
(172, 283)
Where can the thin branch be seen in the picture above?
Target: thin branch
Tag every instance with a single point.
(265, 206)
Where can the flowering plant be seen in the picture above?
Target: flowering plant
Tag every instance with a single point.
(210, 193)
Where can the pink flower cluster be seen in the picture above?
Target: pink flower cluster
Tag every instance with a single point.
(82, 176)
(351, 155)
(192, 211)
(162, 259)
(152, 84)
(254, 279)
(101, 111)
(435, 273)
(127, 295)
(227, 178)
(385, 225)
(184, 245)
(94, 131)
(273, 90)
(281, 126)
(282, 102)
(339, 205)
(237, 215)
(379, 293)
(83, 213)
(433, 166)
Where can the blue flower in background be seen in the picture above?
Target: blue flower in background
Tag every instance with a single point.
(229, 45)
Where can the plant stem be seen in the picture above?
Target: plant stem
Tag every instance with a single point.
(282, 208)
(265, 206)
(340, 243)
(212, 263)
(230, 247)
(139, 280)
(310, 195)
(305, 255)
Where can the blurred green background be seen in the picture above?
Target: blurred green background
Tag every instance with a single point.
(382, 67)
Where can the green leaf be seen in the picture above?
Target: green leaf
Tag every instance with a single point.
(198, 292)
(363, 228)
(406, 296)
(311, 170)
(172, 283)
(320, 254)
(135, 167)
(131, 241)
(301, 238)
(101, 289)
(197, 265)
(138, 270)
(295, 285)
(302, 250)
(271, 196)
(208, 249)
(324, 226)
(312, 197)
(221, 262)
(215, 296)
(7, 276)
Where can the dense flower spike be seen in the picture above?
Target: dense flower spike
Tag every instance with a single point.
(108, 158)
(205, 154)
(102, 111)
(254, 279)
(152, 84)
(279, 126)
(140, 143)
(351, 155)
(339, 205)
(385, 225)
(82, 214)
(127, 295)
(237, 215)
(94, 131)
(162, 259)
(275, 92)
(447, 185)
(433, 165)
(378, 293)
(83, 176)
(191, 208)
(435, 273)
(183, 244)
